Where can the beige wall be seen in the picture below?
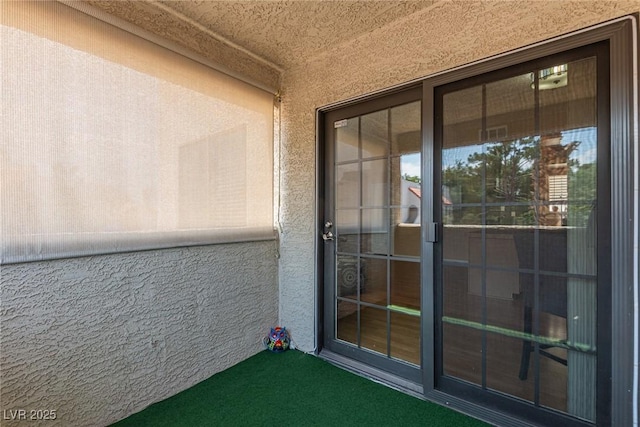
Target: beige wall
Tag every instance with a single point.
(447, 35)
(99, 338)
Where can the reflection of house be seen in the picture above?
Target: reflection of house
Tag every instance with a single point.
(410, 197)
(552, 184)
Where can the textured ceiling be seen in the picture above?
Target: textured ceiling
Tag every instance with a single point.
(283, 33)
(287, 32)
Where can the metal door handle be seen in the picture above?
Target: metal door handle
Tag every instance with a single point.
(327, 235)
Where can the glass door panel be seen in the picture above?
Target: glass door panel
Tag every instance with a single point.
(519, 265)
(377, 193)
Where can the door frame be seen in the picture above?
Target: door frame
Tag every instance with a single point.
(406, 376)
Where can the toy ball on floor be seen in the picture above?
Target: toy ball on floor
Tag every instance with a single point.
(278, 340)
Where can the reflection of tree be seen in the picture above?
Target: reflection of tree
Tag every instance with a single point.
(508, 167)
(582, 190)
(515, 173)
(502, 172)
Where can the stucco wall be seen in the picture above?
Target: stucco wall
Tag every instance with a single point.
(102, 337)
(444, 36)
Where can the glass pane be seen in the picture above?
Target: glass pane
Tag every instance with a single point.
(406, 180)
(458, 302)
(374, 235)
(373, 329)
(405, 286)
(405, 337)
(347, 321)
(462, 119)
(553, 377)
(461, 176)
(349, 277)
(347, 186)
(498, 252)
(457, 241)
(374, 277)
(508, 167)
(503, 367)
(406, 235)
(347, 224)
(374, 183)
(405, 129)
(571, 106)
(347, 140)
(375, 134)
(462, 352)
(510, 107)
(552, 244)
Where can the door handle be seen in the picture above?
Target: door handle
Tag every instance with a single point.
(327, 236)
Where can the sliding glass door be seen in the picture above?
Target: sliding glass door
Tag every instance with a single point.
(478, 234)
(523, 177)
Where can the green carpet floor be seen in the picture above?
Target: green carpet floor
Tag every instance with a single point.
(293, 388)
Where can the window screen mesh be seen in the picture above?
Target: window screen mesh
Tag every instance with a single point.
(112, 143)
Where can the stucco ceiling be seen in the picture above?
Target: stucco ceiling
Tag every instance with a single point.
(284, 33)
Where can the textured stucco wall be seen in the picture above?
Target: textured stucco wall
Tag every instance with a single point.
(101, 337)
(446, 35)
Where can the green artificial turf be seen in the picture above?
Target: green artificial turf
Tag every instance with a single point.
(293, 388)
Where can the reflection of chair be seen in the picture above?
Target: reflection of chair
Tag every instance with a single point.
(552, 290)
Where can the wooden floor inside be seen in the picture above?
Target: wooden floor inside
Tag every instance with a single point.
(462, 349)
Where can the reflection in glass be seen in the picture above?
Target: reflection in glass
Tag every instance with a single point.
(377, 213)
(405, 129)
(347, 186)
(553, 380)
(462, 352)
(405, 337)
(375, 134)
(347, 321)
(507, 167)
(462, 118)
(406, 234)
(374, 288)
(373, 329)
(374, 235)
(519, 181)
(406, 182)
(374, 183)
(347, 140)
(502, 376)
(346, 226)
(405, 285)
(458, 302)
(349, 277)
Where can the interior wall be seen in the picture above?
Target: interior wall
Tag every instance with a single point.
(447, 35)
(99, 338)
